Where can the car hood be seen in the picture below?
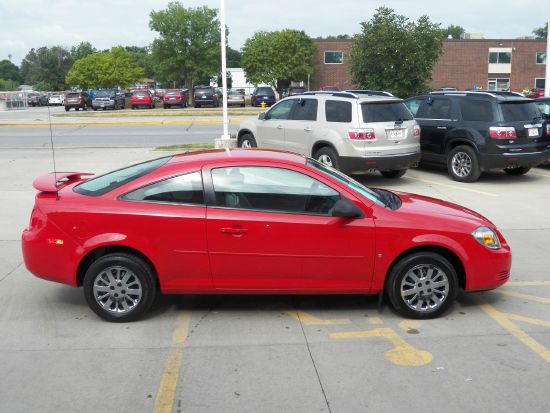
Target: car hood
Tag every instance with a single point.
(431, 211)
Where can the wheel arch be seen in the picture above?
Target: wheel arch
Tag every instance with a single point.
(321, 144)
(103, 250)
(446, 253)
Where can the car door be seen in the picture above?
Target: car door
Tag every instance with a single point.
(269, 228)
(435, 117)
(301, 126)
(270, 131)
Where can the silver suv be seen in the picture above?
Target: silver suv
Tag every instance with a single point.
(349, 132)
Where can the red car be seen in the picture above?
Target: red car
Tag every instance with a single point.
(175, 97)
(254, 222)
(142, 98)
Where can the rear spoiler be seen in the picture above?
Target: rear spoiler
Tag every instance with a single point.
(54, 181)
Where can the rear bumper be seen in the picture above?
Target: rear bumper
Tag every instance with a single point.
(508, 160)
(350, 164)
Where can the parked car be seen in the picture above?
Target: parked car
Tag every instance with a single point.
(142, 98)
(544, 106)
(535, 93)
(33, 99)
(205, 95)
(294, 90)
(329, 88)
(472, 132)
(254, 222)
(108, 99)
(369, 92)
(77, 101)
(264, 95)
(341, 130)
(175, 97)
(235, 97)
(56, 100)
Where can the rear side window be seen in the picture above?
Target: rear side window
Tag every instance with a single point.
(519, 111)
(183, 189)
(338, 111)
(476, 110)
(112, 180)
(385, 112)
(305, 109)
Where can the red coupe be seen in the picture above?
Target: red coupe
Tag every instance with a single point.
(254, 222)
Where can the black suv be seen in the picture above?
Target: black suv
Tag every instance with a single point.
(472, 132)
(205, 95)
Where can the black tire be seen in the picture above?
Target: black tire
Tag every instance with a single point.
(518, 170)
(95, 108)
(107, 282)
(411, 273)
(133, 107)
(197, 105)
(67, 108)
(247, 141)
(463, 165)
(327, 156)
(394, 173)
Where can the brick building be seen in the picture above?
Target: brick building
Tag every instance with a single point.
(488, 64)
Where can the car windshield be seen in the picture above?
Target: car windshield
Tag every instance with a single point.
(112, 180)
(72, 95)
(264, 91)
(385, 112)
(235, 93)
(346, 180)
(141, 94)
(103, 93)
(172, 93)
(520, 111)
(204, 90)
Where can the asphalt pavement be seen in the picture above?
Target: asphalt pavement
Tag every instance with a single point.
(490, 353)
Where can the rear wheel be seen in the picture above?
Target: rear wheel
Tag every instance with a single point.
(247, 141)
(422, 285)
(67, 108)
(463, 165)
(119, 287)
(328, 157)
(518, 170)
(394, 173)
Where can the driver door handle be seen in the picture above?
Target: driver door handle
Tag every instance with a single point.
(308, 129)
(233, 231)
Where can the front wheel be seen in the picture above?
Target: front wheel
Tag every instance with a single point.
(518, 170)
(463, 165)
(247, 141)
(327, 156)
(394, 173)
(422, 285)
(119, 287)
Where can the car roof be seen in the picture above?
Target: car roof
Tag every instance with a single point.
(499, 95)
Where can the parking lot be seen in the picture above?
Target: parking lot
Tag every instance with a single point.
(491, 352)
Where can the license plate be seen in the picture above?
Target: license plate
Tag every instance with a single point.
(396, 134)
(533, 132)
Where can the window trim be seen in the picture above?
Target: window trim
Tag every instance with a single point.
(537, 55)
(146, 201)
(333, 51)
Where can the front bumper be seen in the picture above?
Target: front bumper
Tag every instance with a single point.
(350, 164)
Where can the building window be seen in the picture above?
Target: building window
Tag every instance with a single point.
(540, 83)
(498, 84)
(541, 58)
(500, 57)
(334, 58)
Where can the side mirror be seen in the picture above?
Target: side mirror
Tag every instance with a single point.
(344, 208)
(261, 116)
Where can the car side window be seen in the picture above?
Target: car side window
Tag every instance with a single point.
(182, 189)
(272, 189)
(338, 111)
(435, 109)
(304, 109)
(476, 110)
(280, 110)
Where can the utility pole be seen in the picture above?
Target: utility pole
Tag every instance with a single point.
(547, 77)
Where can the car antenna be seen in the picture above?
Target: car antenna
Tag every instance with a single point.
(53, 155)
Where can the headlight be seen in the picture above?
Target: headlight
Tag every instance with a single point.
(487, 237)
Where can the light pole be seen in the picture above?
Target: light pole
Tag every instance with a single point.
(547, 77)
(225, 135)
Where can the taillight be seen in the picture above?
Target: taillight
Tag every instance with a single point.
(416, 132)
(362, 134)
(548, 129)
(502, 132)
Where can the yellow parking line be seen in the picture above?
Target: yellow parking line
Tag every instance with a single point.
(374, 320)
(164, 401)
(505, 322)
(524, 296)
(426, 181)
(311, 320)
(529, 320)
(527, 283)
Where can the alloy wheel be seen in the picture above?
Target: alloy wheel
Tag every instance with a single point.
(424, 288)
(117, 290)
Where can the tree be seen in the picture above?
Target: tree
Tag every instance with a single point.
(82, 50)
(188, 47)
(392, 53)
(105, 69)
(336, 37)
(9, 71)
(48, 65)
(142, 58)
(233, 57)
(7, 85)
(277, 58)
(454, 31)
(541, 32)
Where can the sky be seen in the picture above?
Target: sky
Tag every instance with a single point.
(26, 24)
